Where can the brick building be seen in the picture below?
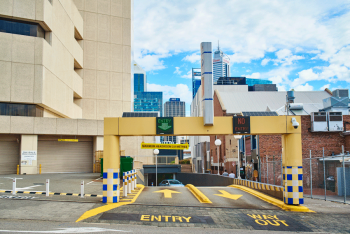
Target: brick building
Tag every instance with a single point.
(269, 147)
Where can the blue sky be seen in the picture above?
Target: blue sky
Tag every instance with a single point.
(304, 45)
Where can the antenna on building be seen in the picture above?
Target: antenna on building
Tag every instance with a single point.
(218, 45)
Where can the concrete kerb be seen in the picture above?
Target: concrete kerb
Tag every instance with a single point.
(273, 201)
(198, 194)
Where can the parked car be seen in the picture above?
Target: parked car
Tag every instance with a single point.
(172, 183)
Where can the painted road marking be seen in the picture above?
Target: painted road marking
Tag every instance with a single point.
(167, 192)
(17, 197)
(157, 218)
(71, 230)
(272, 222)
(228, 195)
(110, 206)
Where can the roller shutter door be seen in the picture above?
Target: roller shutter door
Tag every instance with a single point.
(9, 154)
(55, 156)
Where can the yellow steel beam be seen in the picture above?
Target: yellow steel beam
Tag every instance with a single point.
(193, 126)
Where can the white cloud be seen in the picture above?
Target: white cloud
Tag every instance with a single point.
(172, 27)
(193, 58)
(188, 75)
(285, 57)
(181, 91)
(265, 61)
(298, 49)
(255, 75)
(150, 62)
(177, 71)
(305, 87)
(326, 86)
(314, 52)
(304, 76)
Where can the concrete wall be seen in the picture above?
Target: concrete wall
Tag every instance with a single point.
(41, 71)
(50, 126)
(107, 57)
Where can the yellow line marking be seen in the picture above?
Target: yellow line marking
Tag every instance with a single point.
(228, 195)
(272, 200)
(167, 192)
(109, 206)
(198, 194)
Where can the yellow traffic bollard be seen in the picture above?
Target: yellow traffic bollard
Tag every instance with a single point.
(17, 169)
(39, 168)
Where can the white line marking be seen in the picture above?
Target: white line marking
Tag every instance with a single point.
(71, 230)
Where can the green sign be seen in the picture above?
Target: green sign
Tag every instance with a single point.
(165, 125)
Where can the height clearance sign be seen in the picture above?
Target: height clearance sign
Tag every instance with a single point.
(241, 124)
(165, 125)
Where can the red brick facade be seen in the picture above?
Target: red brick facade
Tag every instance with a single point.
(270, 149)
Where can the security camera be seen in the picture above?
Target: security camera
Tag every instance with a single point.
(295, 123)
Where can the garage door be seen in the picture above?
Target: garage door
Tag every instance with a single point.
(9, 154)
(57, 156)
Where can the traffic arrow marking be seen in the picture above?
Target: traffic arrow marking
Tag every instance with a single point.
(167, 192)
(164, 126)
(228, 195)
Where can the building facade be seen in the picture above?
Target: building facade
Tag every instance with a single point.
(221, 65)
(196, 80)
(174, 108)
(65, 65)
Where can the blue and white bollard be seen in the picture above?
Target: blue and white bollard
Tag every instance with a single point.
(125, 184)
(129, 182)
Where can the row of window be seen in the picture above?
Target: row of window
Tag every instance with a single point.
(21, 28)
(14, 109)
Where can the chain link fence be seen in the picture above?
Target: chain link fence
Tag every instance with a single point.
(327, 177)
(324, 177)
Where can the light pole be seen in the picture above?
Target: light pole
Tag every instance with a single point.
(156, 152)
(218, 143)
(239, 161)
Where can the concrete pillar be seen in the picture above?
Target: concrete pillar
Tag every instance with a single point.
(29, 154)
(292, 169)
(111, 167)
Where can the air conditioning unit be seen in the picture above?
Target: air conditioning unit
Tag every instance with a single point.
(319, 122)
(335, 121)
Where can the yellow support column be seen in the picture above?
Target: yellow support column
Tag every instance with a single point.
(292, 169)
(111, 166)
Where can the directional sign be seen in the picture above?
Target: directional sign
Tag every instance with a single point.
(164, 146)
(228, 195)
(167, 192)
(165, 125)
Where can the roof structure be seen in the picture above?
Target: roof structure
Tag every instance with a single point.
(237, 102)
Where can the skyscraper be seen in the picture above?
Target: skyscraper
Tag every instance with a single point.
(145, 101)
(196, 82)
(174, 108)
(221, 65)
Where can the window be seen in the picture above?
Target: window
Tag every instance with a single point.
(21, 28)
(15, 109)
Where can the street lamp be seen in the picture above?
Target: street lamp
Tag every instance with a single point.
(218, 143)
(156, 152)
(239, 161)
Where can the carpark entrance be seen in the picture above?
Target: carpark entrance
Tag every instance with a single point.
(193, 126)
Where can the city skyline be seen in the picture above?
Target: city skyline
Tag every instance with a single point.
(299, 45)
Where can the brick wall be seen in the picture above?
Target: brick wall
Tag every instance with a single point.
(270, 149)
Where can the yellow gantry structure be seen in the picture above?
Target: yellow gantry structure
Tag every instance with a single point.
(194, 126)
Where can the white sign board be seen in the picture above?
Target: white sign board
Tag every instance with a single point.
(28, 155)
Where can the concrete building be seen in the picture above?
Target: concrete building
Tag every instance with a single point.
(174, 108)
(65, 65)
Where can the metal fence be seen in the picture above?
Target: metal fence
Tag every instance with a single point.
(271, 170)
(327, 177)
(324, 177)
